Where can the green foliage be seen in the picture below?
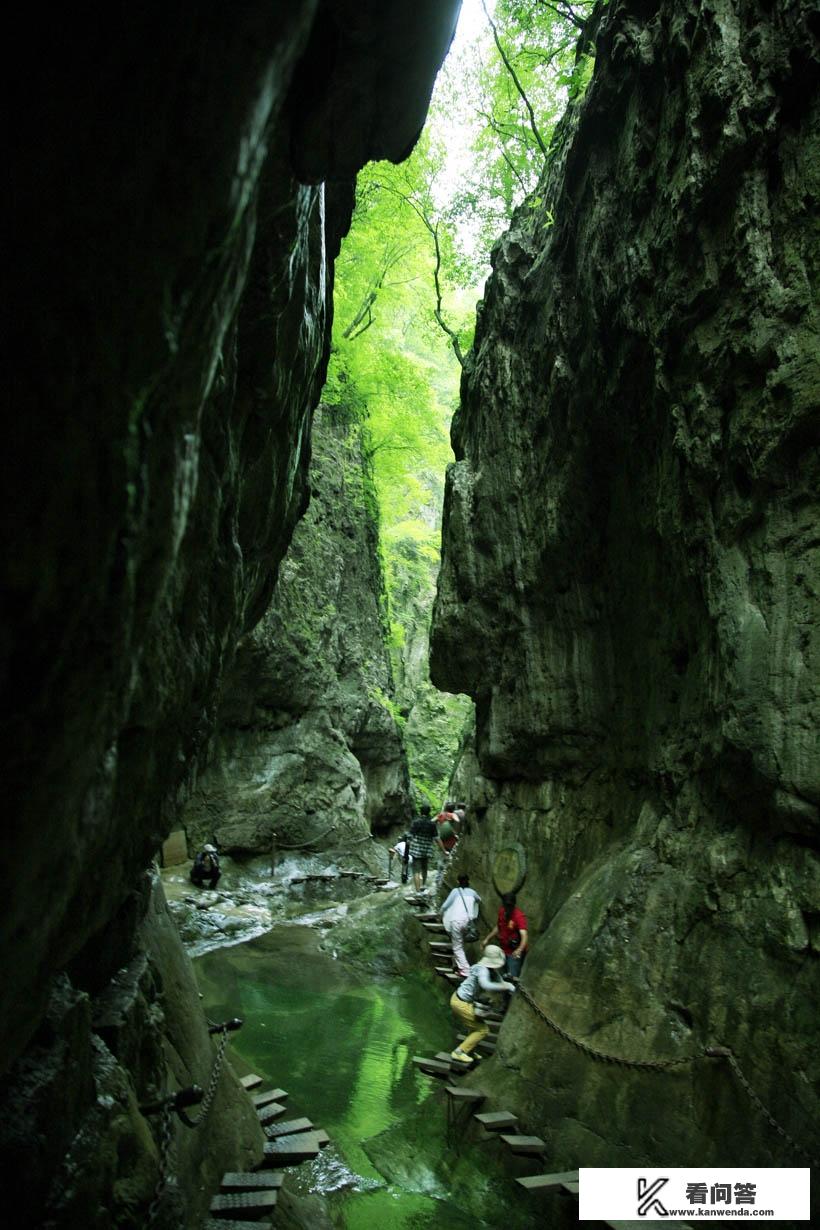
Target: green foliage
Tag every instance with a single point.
(406, 284)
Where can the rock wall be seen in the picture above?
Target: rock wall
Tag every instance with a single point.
(171, 319)
(629, 592)
(306, 744)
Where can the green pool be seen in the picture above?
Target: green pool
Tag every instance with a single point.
(342, 1045)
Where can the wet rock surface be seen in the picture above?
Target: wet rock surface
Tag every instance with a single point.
(630, 586)
(306, 746)
(171, 326)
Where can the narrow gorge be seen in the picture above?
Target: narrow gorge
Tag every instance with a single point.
(222, 576)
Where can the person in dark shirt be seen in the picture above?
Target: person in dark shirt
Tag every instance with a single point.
(423, 836)
(206, 867)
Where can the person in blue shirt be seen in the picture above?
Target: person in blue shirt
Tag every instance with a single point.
(463, 1001)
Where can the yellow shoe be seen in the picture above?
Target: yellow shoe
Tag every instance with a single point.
(461, 1056)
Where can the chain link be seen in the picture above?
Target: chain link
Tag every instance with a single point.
(210, 1092)
(604, 1056)
(162, 1177)
(658, 1065)
(767, 1115)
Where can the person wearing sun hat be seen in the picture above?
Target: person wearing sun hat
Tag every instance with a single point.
(463, 1000)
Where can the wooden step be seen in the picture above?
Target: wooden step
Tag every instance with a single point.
(270, 1095)
(525, 1144)
(497, 1120)
(428, 916)
(440, 945)
(436, 928)
(446, 972)
(446, 1057)
(548, 1182)
(572, 1187)
(291, 1150)
(229, 1223)
(322, 1138)
(459, 1093)
(272, 1111)
(635, 1225)
(288, 1127)
(251, 1204)
(235, 1181)
(433, 1067)
(251, 1081)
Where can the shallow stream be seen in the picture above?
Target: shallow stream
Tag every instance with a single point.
(342, 1045)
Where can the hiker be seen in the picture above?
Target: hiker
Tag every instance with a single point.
(402, 851)
(206, 867)
(423, 836)
(459, 913)
(512, 935)
(463, 1001)
(446, 823)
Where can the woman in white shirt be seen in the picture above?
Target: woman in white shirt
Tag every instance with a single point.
(457, 912)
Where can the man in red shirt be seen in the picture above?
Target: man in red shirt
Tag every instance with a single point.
(511, 932)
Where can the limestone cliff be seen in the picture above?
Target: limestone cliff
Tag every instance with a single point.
(170, 333)
(306, 745)
(630, 587)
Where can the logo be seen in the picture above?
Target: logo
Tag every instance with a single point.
(648, 1197)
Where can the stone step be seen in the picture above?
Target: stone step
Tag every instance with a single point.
(433, 1067)
(272, 1111)
(497, 1120)
(459, 1093)
(251, 1081)
(236, 1181)
(270, 1095)
(291, 1150)
(288, 1127)
(548, 1182)
(251, 1204)
(533, 1145)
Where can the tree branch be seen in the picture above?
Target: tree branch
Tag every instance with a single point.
(508, 65)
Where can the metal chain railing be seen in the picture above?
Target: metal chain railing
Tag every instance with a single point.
(658, 1065)
(210, 1092)
(179, 1101)
(162, 1175)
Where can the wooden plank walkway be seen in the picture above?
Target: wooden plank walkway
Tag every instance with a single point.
(289, 1127)
(238, 1181)
(460, 1093)
(497, 1120)
(252, 1203)
(291, 1150)
(272, 1111)
(270, 1095)
(524, 1144)
(433, 1067)
(548, 1182)
(251, 1081)
(220, 1223)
